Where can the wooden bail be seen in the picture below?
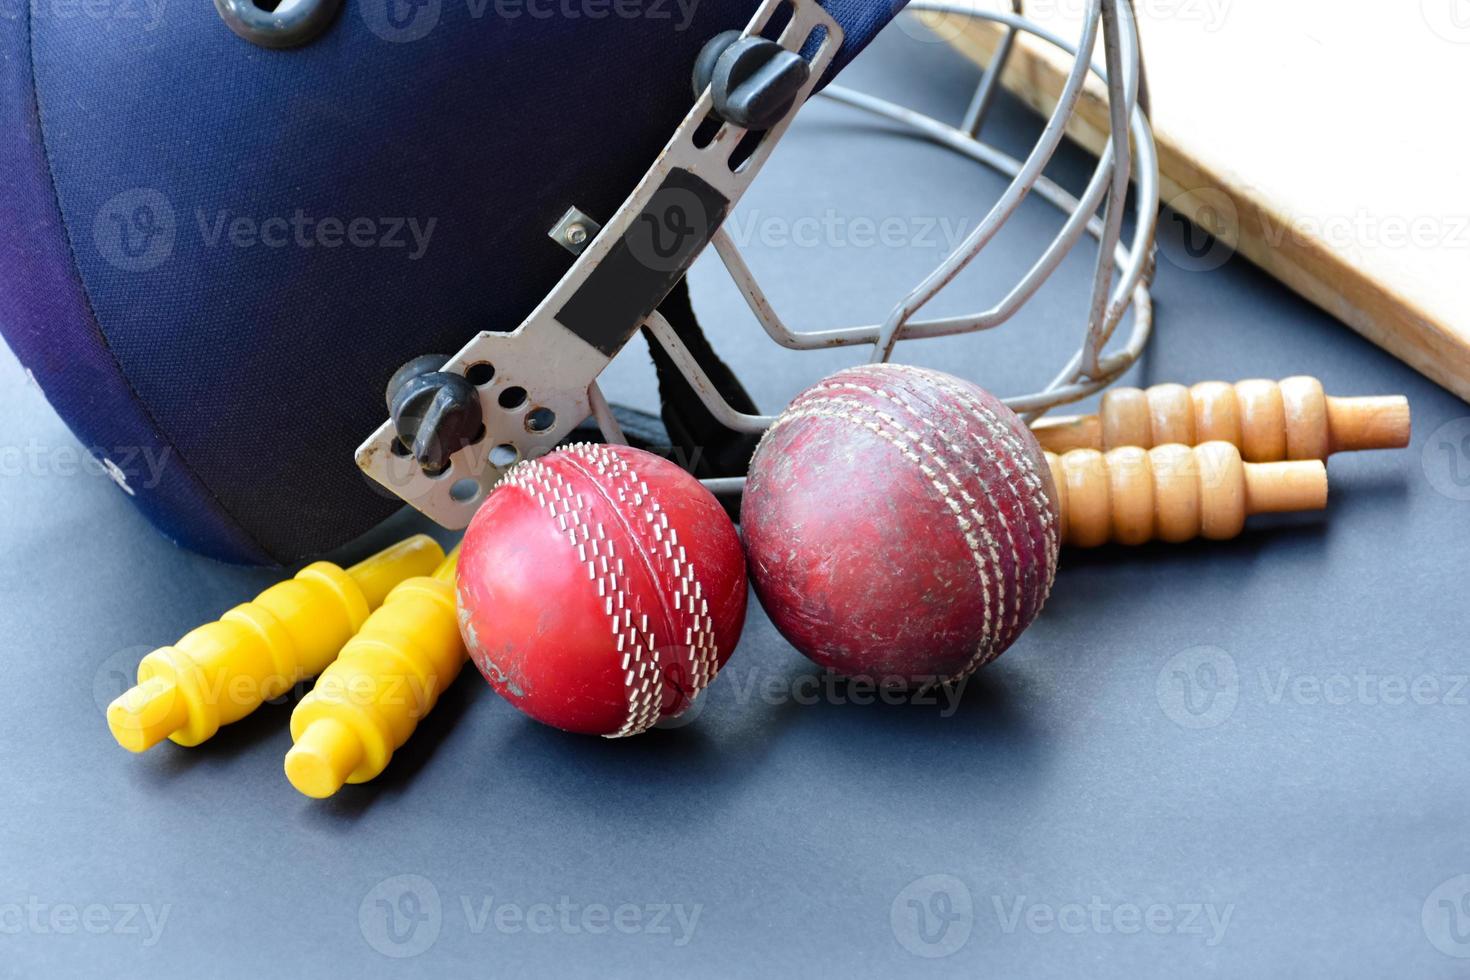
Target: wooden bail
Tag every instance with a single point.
(1174, 493)
(1268, 420)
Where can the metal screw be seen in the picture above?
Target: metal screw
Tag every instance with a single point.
(573, 230)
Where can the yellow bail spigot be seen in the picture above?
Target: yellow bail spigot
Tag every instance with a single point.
(388, 677)
(222, 671)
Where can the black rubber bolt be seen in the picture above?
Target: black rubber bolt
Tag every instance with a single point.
(753, 82)
(436, 413)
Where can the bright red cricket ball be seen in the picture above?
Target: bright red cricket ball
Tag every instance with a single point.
(600, 589)
(900, 523)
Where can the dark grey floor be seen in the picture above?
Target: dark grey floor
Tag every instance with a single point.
(1248, 757)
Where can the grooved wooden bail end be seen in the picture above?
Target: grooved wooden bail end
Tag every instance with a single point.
(1174, 493)
(1267, 420)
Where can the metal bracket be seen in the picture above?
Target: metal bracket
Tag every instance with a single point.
(574, 231)
(537, 378)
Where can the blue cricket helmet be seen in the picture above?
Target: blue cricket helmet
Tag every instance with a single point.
(214, 254)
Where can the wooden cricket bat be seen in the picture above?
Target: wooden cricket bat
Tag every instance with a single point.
(1324, 140)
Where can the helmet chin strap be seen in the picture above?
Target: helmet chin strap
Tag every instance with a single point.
(702, 444)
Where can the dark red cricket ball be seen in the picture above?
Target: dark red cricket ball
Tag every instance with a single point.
(900, 523)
